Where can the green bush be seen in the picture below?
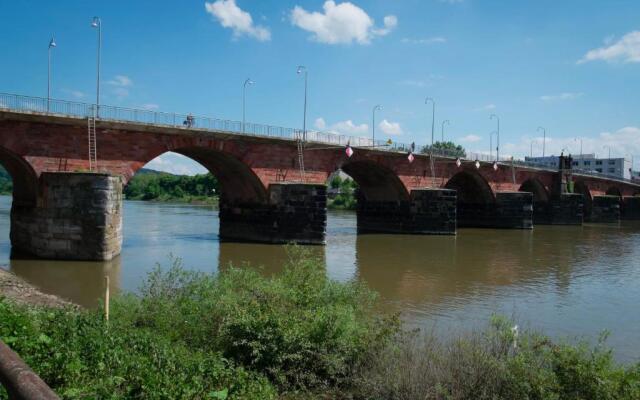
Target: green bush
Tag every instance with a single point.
(193, 335)
(299, 328)
(497, 363)
(80, 356)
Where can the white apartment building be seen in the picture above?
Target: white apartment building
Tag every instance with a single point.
(616, 167)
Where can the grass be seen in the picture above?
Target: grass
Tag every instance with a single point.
(295, 335)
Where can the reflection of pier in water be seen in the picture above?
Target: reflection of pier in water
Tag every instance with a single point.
(415, 272)
(81, 282)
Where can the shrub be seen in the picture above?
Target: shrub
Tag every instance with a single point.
(494, 364)
(299, 328)
(192, 335)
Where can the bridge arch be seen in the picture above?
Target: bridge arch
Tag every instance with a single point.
(471, 188)
(239, 184)
(537, 188)
(23, 176)
(475, 199)
(376, 182)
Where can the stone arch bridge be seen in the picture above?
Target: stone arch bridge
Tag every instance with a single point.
(60, 210)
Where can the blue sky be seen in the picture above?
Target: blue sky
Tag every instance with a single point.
(570, 66)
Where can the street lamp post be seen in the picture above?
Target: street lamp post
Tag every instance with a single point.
(373, 123)
(301, 69)
(244, 96)
(497, 136)
(446, 121)
(575, 140)
(544, 139)
(531, 149)
(491, 143)
(52, 44)
(609, 148)
(97, 23)
(433, 115)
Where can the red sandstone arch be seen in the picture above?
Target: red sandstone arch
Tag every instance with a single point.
(238, 182)
(25, 180)
(534, 186)
(376, 182)
(471, 187)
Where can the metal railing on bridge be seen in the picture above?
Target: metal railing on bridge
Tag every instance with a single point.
(65, 108)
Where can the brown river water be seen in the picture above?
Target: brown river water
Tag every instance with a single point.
(569, 282)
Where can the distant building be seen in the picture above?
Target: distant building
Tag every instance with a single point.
(616, 167)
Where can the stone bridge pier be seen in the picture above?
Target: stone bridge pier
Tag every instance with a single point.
(76, 216)
(428, 211)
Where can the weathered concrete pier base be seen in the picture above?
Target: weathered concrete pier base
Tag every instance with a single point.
(565, 210)
(428, 212)
(604, 209)
(295, 212)
(631, 208)
(511, 210)
(78, 216)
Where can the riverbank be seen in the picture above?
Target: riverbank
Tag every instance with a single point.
(296, 335)
(20, 292)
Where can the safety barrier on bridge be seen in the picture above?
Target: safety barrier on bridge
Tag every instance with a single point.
(64, 108)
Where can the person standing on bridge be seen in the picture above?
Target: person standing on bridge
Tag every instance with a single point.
(189, 121)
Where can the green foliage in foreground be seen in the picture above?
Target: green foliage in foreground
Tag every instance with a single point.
(161, 186)
(497, 363)
(191, 335)
(346, 199)
(295, 335)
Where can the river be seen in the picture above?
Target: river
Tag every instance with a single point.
(566, 281)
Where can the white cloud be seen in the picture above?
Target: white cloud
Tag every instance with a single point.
(341, 23)
(390, 128)
(623, 142)
(347, 127)
(76, 94)
(429, 40)
(320, 123)
(486, 107)
(120, 80)
(177, 164)
(120, 84)
(627, 49)
(561, 96)
(420, 83)
(470, 138)
(414, 83)
(241, 23)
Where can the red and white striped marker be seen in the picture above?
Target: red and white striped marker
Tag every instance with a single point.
(410, 157)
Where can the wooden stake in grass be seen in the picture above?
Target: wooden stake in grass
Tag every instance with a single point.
(106, 297)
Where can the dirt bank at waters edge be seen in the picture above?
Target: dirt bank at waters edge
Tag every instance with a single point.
(17, 290)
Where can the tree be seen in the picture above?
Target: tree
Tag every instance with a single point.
(446, 148)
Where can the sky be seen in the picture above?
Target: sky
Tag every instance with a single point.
(572, 66)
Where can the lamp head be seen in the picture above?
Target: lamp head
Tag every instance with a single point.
(52, 43)
(95, 23)
(301, 68)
